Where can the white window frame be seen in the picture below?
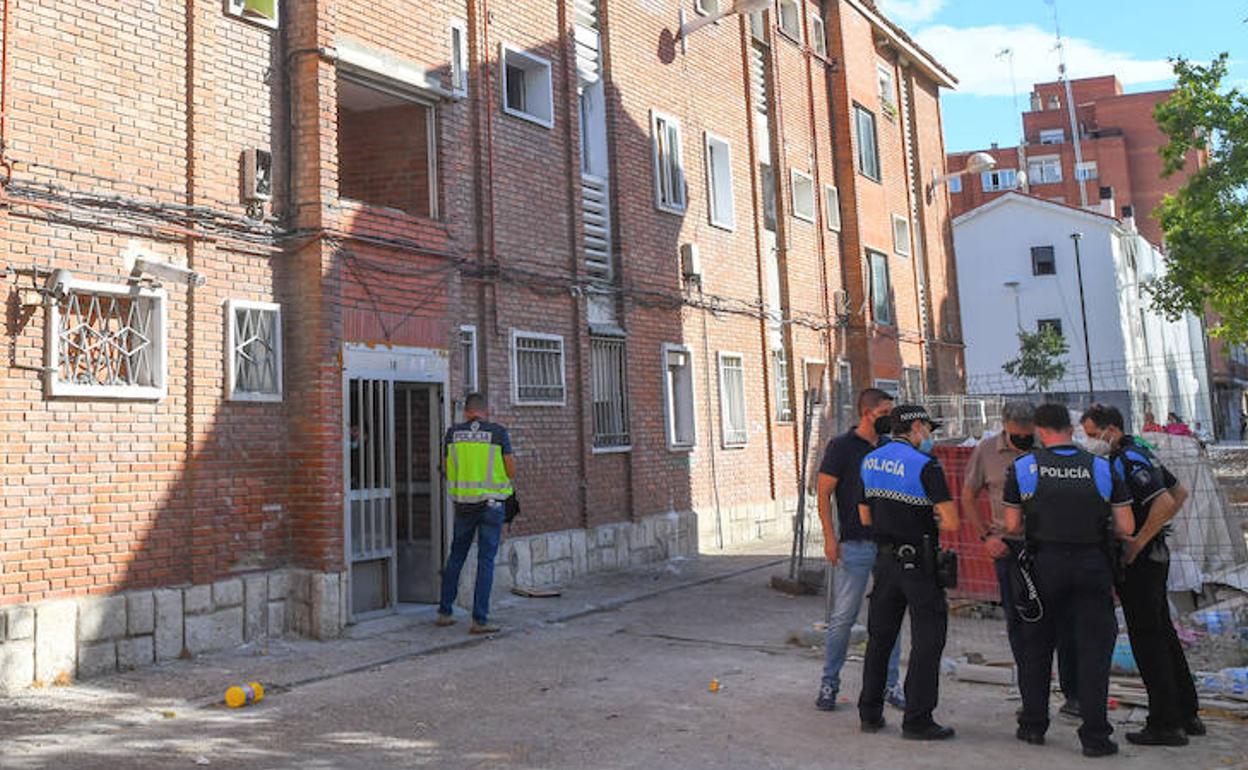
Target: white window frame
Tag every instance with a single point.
(993, 181)
(678, 186)
(1045, 164)
(534, 63)
(861, 145)
(725, 441)
(891, 387)
(818, 34)
(906, 372)
(887, 93)
(238, 9)
(516, 334)
(955, 184)
(56, 388)
(1052, 136)
(795, 18)
(832, 207)
(231, 341)
(725, 220)
(700, 6)
(669, 397)
(901, 235)
(807, 215)
(872, 297)
(458, 59)
(1087, 171)
(475, 385)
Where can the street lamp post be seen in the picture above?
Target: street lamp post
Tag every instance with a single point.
(1083, 312)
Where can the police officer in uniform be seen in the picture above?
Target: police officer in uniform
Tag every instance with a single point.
(904, 493)
(1063, 499)
(1156, 497)
(479, 468)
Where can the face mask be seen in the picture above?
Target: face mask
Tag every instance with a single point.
(926, 445)
(1097, 447)
(1023, 442)
(883, 425)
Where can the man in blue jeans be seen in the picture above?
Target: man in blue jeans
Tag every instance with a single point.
(479, 468)
(853, 554)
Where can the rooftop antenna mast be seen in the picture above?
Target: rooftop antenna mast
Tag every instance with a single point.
(1007, 53)
(1070, 102)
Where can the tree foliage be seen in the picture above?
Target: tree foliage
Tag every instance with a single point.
(1040, 361)
(1206, 221)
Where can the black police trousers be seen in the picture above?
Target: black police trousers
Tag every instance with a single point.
(1076, 589)
(1066, 655)
(1171, 694)
(895, 589)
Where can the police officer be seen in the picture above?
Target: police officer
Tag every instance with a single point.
(903, 493)
(1156, 496)
(1063, 500)
(479, 469)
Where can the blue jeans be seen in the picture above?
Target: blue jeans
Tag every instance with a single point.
(487, 527)
(852, 572)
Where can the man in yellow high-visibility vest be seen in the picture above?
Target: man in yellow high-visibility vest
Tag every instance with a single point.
(479, 468)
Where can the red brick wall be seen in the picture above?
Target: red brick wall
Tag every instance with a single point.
(384, 157)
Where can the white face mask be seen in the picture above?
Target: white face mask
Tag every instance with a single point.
(1097, 446)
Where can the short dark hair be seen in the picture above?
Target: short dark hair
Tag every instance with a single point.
(870, 398)
(1103, 416)
(1053, 417)
(475, 402)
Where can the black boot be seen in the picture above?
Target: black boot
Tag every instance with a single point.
(1153, 736)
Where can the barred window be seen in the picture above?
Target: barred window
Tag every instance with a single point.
(254, 347)
(732, 399)
(537, 374)
(107, 341)
(609, 386)
(784, 404)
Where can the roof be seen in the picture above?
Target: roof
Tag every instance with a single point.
(1016, 197)
(925, 60)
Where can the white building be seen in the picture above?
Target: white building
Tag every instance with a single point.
(1017, 270)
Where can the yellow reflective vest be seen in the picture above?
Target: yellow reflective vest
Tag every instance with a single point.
(475, 471)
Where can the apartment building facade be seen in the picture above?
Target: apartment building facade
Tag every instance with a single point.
(252, 277)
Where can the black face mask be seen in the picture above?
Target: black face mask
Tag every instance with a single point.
(883, 425)
(1023, 442)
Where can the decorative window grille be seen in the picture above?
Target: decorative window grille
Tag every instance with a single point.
(732, 399)
(609, 387)
(784, 404)
(537, 373)
(678, 397)
(254, 346)
(107, 341)
(468, 351)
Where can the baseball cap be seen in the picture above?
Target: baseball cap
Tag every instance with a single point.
(908, 413)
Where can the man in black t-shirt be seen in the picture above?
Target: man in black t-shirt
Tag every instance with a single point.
(853, 553)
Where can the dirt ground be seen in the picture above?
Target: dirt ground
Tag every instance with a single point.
(619, 688)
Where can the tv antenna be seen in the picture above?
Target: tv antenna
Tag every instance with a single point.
(1070, 102)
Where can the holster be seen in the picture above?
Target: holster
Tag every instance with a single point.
(941, 564)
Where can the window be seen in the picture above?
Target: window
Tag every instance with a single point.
(1049, 324)
(767, 181)
(263, 12)
(1052, 136)
(912, 384)
(387, 148)
(107, 341)
(868, 152)
(608, 381)
(468, 352)
(706, 7)
(678, 397)
(780, 367)
(758, 29)
(901, 235)
(814, 379)
(1044, 170)
(888, 89)
(719, 182)
(955, 184)
(526, 87)
(1000, 179)
(891, 387)
(669, 168)
(832, 206)
(803, 195)
(1086, 171)
(1054, 102)
(881, 292)
(732, 399)
(790, 19)
(459, 58)
(253, 342)
(846, 407)
(537, 376)
(818, 35)
(1043, 261)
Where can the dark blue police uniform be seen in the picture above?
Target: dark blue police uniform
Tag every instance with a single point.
(1172, 700)
(901, 485)
(1066, 495)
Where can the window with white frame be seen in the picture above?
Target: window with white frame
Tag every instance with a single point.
(803, 195)
(1000, 179)
(912, 384)
(888, 89)
(706, 7)
(1044, 170)
(891, 387)
(780, 368)
(732, 399)
(669, 167)
(790, 19)
(537, 374)
(459, 57)
(468, 354)
(262, 12)
(254, 346)
(527, 92)
(107, 341)
(608, 380)
(818, 34)
(1052, 136)
(832, 206)
(881, 290)
(901, 235)
(955, 184)
(868, 148)
(719, 182)
(678, 397)
(1086, 171)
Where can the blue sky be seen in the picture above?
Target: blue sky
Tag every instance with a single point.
(1129, 39)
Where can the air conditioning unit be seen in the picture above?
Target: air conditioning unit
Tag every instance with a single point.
(690, 265)
(260, 11)
(257, 175)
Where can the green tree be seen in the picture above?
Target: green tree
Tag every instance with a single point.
(1040, 359)
(1206, 221)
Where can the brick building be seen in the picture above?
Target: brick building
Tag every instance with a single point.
(643, 251)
